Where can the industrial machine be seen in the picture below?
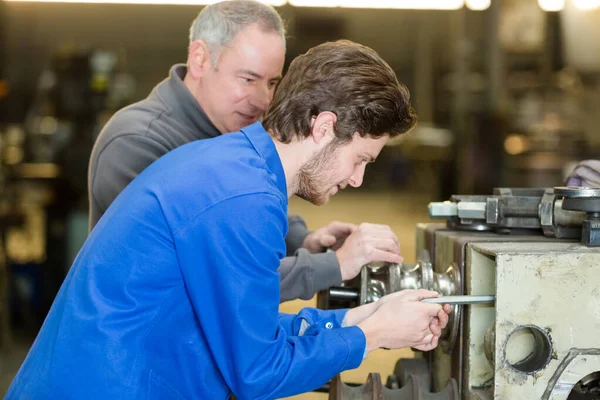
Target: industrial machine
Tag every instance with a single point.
(537, 252)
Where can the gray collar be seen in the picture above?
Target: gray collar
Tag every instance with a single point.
(183, 105)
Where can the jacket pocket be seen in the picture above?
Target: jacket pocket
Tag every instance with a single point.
(159, 388)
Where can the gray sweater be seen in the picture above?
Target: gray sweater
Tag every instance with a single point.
(170, 117)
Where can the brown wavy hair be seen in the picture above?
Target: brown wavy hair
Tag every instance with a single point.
(348, 79)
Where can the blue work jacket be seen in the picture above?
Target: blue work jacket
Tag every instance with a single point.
(175, 293)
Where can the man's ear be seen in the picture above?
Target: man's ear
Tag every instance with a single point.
(198, 59)
(322, 126)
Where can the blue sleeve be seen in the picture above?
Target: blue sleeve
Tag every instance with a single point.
(229, 255)
(312, 317)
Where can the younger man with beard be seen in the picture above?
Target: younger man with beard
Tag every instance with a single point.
(175, 293)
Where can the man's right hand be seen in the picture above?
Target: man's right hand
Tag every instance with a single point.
(370, 242)
(401, 320)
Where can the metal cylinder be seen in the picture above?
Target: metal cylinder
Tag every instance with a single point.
(342, 293)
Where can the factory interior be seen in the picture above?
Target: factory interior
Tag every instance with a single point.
(495, 192)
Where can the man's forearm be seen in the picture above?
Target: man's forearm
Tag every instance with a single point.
(356, 315)
(297, 232)
(305, 274)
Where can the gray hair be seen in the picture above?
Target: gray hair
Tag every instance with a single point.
(218, 24)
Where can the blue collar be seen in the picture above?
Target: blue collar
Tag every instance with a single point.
(265, 147)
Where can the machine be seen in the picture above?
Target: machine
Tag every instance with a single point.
(537, 251)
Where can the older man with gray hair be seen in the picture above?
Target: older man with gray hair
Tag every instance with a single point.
(235, 60)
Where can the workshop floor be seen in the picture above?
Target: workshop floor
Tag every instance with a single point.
(400, 211)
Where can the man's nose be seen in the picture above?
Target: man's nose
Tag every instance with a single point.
(357, 178)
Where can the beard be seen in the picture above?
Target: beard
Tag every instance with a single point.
(316, 175)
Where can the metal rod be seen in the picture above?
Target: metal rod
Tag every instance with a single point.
(342, 293)
(483, 299)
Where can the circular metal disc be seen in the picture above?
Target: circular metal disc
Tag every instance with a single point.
(452, 329)
(576, 191)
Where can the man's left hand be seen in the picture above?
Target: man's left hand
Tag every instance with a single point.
(331, 236)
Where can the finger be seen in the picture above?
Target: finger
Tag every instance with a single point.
(442, 318)
(327, 240)
(427, 294)
(380, 255)
(431, 345)
(406, 294)
(385, 234)
(386, 244)
(431, 310)
(434, 342)
(401, 294)
(420, 294)
(425, 347)
(435, 329)
(447, 308)
(374, 227)
(428, 338)
(337, 228)
(376, 230)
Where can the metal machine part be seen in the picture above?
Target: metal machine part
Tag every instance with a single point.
(537, 341)
(380, 279)
(411, 387)
(515, 210)
(585, 200)
(461, 300)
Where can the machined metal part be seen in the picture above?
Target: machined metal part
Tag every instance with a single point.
(461, 300)
(556, 221)
(374, 389)
(475, 226)
(577, 376)
(343, 293)
(407, 367)
(515, 209)
(380, 278)
(576, 191)
(450, 283)
(590, 233)
(452, 247)
(512, 211)
(511, 349)
(471, 210)
(344, 296)
(461, 212)
(586, 200)
(589, 205)
(489, 343)
(442, 210)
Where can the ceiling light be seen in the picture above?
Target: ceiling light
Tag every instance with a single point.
(551, 5)
(586, 4)
(166, 2)
(390, 4)
(478, 5)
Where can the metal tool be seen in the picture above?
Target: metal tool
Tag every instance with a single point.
(586, 200)
(519, 209)
(473, 299)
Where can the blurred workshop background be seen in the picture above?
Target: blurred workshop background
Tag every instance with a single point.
(507, 91)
